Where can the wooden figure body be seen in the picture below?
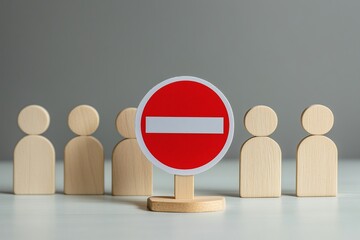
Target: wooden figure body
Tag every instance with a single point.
(34, 155)
(317, 156)
(84, 155)
(260, 156)
(131, 171)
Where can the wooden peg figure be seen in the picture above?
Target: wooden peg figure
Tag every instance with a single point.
(84, 155)
(317, 155)
(131, 171)
(260, 156)
(34, 155)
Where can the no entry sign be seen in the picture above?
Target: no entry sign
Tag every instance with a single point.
(184, 125)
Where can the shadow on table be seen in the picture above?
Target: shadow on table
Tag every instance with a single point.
(233, 193)
(6, 190)
(142, 203)
(288, 192)
(216, 192)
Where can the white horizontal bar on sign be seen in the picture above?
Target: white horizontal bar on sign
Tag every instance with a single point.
(193, 125)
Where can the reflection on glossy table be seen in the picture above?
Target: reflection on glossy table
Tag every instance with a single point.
(106, 217)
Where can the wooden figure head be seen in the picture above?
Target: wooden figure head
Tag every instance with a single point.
(317, 119)
(125, 123)
(83, 120)
(261, 121)
(34, 120)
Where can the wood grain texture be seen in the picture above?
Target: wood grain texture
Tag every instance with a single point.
(131, 171)
(83, 120)
(317, 119)
(260, 168)
(316, 167)
(260, 121)
(34, 119)
(34, 166)
(125, 123)
(198, 204)
(184, 187)
(84, 166)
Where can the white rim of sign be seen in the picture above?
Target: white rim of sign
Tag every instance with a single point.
(159, 164)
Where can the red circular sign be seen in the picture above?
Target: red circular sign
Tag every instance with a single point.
(184, 125)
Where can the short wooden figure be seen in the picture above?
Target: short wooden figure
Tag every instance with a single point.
(260, 156)
(131, 171)
(34, 155)
(317, 155)
(84, 155)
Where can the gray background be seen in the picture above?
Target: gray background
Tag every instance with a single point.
(285, 54)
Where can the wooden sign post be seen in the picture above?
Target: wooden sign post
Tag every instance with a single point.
(184, 187)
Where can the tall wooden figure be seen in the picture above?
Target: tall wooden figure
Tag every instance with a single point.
(260, 156)
(317, 155)
(131, 171)
(84, 155)
(34, 155)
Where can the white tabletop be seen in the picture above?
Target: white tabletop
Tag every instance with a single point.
(106, 217)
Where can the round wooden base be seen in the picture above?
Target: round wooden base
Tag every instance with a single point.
(198, 204)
